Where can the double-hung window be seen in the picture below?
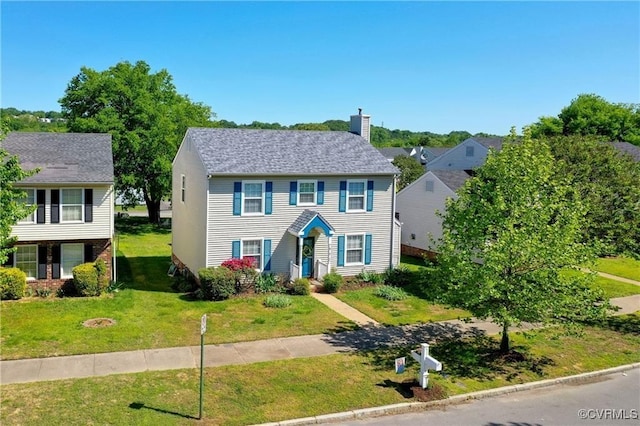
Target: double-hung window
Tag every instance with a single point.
(307, 192)
(26, 259)
(183, 187)
(29, 200)
(355, 250)
(252, 198)
(72, 256)
(252, 249)
(356, 195)
(72, 205)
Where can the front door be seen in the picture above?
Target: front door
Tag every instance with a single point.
(307, 256)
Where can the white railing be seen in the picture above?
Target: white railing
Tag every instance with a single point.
(322, 269)
(294, 270)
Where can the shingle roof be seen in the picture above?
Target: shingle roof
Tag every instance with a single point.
(436, 151)
(627, 148)
(286, 152)
(454, 179)
(394, 152)
(489, 142)
(63, 157)
(304, 219)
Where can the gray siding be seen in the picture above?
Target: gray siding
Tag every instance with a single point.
(417, 208)
(101, 227)
(456, 158)
(189, 218)
(224, 227)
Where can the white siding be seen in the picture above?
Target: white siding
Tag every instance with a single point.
(189, 218)
(101, 227)
(456, 158)
(417, 208)
(224, 227)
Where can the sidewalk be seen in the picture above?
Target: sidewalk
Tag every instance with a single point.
(368, 337)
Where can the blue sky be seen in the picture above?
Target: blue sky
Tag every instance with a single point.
(434, 66)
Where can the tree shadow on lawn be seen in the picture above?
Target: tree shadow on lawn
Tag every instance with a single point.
(464, 353)
(625, 324)
(137, 225)
(154, 267)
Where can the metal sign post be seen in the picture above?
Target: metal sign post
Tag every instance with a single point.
(203, 329)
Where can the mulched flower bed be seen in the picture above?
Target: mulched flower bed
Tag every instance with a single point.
(99, 322)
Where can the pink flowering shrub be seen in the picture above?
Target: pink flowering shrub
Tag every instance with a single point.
(244, 271)
(239, 264)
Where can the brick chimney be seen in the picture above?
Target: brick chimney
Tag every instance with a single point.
(361, 125)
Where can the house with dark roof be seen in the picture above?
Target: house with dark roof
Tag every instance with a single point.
(418, 204)
(73, 221)
(467, 155)
(627, 148)
(297, 203)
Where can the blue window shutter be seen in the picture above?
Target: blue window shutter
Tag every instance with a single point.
(340, 250)
(293, 193)
(342, 205)
(235, 249)
(369, 195)
(267, 255)
(268, 198)
(237, 198)
(320, 198)
(367, 249)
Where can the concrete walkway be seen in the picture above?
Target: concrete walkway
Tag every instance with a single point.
(617, 278)
(368, 337)
(343, 309)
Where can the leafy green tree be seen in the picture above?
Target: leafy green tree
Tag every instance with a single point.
(11, 198)
(589, 114)
(147, 119)
(510, 239)
(609, 184)
(410, 170)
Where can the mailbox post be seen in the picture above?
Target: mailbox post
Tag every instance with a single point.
(427, 362)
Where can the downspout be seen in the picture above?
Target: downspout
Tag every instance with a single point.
(114, 275)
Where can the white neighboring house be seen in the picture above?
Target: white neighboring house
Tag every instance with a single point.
(295, 202)
(73, 222)
(417, 205)
(467, 155)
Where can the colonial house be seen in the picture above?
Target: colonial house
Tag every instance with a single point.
(418, 204)
(298, 203)
(467, 155)
(73, 221)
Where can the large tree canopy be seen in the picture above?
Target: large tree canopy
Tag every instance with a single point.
(510, 239)
(592, 115)
(410, 170)
(609, 183)
(147, 119)
(12, 199)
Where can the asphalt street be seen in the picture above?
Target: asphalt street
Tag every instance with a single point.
(610, 400)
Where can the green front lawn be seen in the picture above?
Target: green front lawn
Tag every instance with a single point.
(621, 266)
(148, 313)
(275, 391)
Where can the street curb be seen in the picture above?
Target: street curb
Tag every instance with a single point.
(410, 407)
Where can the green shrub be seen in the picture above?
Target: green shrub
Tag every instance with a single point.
(13, 284)
(398, 276)
(267, 283)
(390, 292)
(101, 269)
(370, 277)
(43, 292)
(332, 282)
(183, 284)
(300, 287)
(277, 301)
(85, 279)
(217, 283)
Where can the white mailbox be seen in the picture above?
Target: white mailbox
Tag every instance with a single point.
(427, 362)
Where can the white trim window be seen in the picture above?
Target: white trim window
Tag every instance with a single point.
(356, 195)
(71, 205)
(307, 192)
(252, 249)
(183, 187)
(26, 259)
(354, 250)
(29, 200)
(253, 198)
(72, 255)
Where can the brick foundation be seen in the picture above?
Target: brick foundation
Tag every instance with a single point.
(102, 249)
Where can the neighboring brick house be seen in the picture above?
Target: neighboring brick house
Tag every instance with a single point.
(297, 202)
(74, 219)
